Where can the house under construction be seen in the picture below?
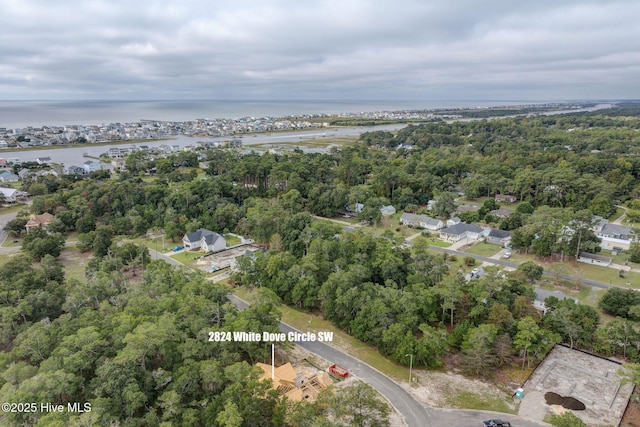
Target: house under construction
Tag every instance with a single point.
(296, 385)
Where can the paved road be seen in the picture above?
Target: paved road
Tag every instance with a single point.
(159, 255)
(514, 265)
(415, 414)
(4, 219)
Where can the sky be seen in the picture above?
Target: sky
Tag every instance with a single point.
(319, 49)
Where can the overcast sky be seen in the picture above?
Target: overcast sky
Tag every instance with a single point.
(320, 49)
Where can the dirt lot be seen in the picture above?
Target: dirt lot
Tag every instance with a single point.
(590, 379)
(224, 258)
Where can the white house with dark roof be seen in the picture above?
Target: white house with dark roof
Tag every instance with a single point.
(595, 259)
(205, 240)
(44, 160)
(506, 198)
(616, 236)
(423, 221)
(461, 231)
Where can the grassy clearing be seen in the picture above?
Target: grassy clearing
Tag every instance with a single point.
(484, 249)
(5, 257)
(232, 240)
(75, 263)
(13, 208)
(352, 220)
(437, 242)
(187, 257)
(581, 271)
(157, 243)
(12, 242)
(607, 275)
(469, 400)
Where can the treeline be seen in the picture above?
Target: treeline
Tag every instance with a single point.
(414, 302)
(136, 351)
(546, 161)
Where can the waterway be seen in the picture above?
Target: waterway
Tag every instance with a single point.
(69, 156)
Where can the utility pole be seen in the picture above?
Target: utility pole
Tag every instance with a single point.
(410, 368)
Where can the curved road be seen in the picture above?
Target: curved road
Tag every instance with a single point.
(414, 413)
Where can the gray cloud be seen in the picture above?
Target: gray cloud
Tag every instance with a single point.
(498, 49)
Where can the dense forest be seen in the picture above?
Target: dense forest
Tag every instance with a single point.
(134, 344)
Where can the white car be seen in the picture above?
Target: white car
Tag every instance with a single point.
(507, 254)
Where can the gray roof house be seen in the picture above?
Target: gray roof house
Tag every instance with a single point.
(461, 231)
(542, 295)
(588, 258)
(499, 237)
(423, 221)
(78, 170)
(43, 160)
(205, 240)
(618, 236)
(387, 210)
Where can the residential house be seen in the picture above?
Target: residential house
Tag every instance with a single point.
(7, 176)
(296, 386)
(542, 295)
(616, 236)
(506, 198)
(502, 212)
(423, 221)
(388, 210)
(453, 221)
(91, 166)
(461, 231)
(205, 240)
(39, 221)
(23, 173)
(11, 195)
(118, 164)
(588, 258)
(76, 170)
(599, 223)
(357, 208)
(44, 160)
(499, 237)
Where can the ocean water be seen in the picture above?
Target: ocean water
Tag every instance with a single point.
(20, 114)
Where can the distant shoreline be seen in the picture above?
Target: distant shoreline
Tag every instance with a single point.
(84, 144)
(359, 120)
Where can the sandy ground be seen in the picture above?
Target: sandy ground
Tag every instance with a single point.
(433, 388)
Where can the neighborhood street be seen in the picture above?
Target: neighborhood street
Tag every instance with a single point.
(415, 414)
